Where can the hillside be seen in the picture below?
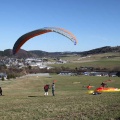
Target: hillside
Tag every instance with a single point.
(101, 50)
(105, 49)
(38, 53)
(21, 54)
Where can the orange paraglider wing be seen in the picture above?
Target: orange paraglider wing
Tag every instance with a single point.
(34, 33)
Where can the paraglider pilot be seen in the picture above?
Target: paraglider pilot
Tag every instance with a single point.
(103, 84)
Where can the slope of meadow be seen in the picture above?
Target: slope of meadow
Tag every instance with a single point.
(110, 61)
(23, 99)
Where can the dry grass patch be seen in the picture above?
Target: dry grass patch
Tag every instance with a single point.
(24, 99)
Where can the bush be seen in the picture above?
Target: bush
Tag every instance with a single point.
(11, 76)
(3, 78)
(8, 77)
(118, 74)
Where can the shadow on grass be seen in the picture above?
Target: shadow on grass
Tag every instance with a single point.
(39, 96)
(2, 95)
(34, 96)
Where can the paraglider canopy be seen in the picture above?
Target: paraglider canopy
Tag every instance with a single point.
(107, 89)
(44, 30)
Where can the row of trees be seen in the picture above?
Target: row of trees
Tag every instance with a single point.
(15, 72)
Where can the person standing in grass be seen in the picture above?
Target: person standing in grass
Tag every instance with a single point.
(0, 91)
(46, 87)
(53, 89)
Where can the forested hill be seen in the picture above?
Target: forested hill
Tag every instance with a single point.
(38, 53)
(105, 49)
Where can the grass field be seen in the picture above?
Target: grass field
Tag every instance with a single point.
(23, 99)
(97, 64)
(110, 61)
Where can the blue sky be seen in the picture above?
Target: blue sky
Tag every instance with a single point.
(95, 23)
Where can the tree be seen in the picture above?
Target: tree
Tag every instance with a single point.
(3, 78)
(118, 73)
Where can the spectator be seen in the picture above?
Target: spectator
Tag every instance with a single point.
(46, 87)
(53, 89)
(0, 91)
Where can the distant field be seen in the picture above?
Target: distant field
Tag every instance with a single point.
(106, 60)
(115, 56)
(101, 63)
(23, 99)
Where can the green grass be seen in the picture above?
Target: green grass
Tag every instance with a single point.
(23, 99)
(106, 60)
(101, 64)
